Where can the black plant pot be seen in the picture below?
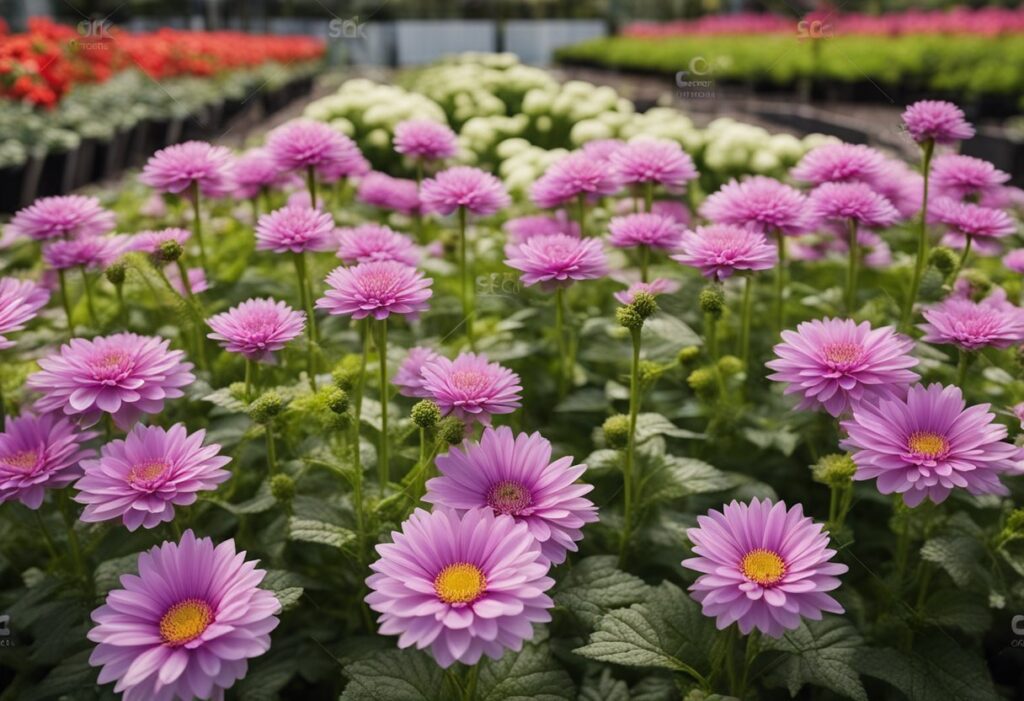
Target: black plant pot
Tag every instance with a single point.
(84, 163)
(11, 178)
(57, 174)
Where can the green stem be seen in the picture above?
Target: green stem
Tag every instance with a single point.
(122, 310)
(780, 283)
(271, 449)
(903, 541)
(851, 271)
(197, 226)
(753, 639)
(565, 361)
(381, 341)
(745, 313)
(627, 476)
(645, 262)
(51, 548)
(581, 213)
(248, 380)
(307, 304)
(65, 302)
(648, 195)
(89, 302)
(963, 259)
(311, 184)
(922, 238)
(466, 278)
(73, 543)
(963, 361)
(711, 333)
(469, 685)
(185, 282)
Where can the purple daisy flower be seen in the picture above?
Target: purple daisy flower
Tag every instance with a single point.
(840, 163)
(256, 328)
(653, 161)
(375, 242)
(125, 375)
(378, 289)
(762, 566)
(90, 252)
(39, 453)
(255, 172)
(971, 219)
(843, 202)
(938, 121)
(900, 185)
(655, 287)
(460, 586)
(927, 444)
(513, 474)
(836, 363)
(150, 241)
(521, 229)
(958, 176)
(575, 175)
(67, 216)
(1018, 412)
(557, 260)
(186, 625)
(425, 140)
(19, 302)
(142, 478)
(177, 168)
(471, 388)
(303, 143)
(720, 250)
(294, 228)
(602, 149)
(970, 326)
(651, 230)
(760, 203)
(462, 186)
(383, 191)
(1014, 261)
(409, 377)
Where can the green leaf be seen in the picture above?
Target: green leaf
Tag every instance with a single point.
(223, 398)
(596, 586)
(957, 609)
(265, 680)
(285, 586)
(397, 675)
(667, 631)
(108, 573)
(667, 477)
(958, 555)
(650, 424)
(604, 688)
(71, 675)
(262, 501)
(936, 669)
(529, 675)
(312, 531)
(821, 653)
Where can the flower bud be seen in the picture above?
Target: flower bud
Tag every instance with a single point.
(703, 382)
(629, 317)
(451, 430)
(979, 284)
(943, 259)
(688, 354)
(346, 372)
(730, 365)
(335, 399)
(168, 252)
(426, 414)
(115, 273)
(644, 304)
(616, 431)
(834, 470)
(282, 487)
(1015, 523)
(712, 301)
(267, 406)
(649, 371)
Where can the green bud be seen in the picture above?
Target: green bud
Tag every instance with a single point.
(451, 430)
(730, 365)
(712, 301)
(115, 273)
(346, 373)
(616, 431)
(644, 304)
(237, 389)
(688, 354)
(703, 381)
(334, 399)
(168, 252)
(649, 372)
(282, 487)
(332, 421)
(980, 284)
(943, 259)
(426, 414)
(834, 470)
(1015, 522)
(696, 695)
(629, 318)
(266, 407)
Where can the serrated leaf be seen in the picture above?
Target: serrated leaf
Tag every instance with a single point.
(596, 586)
(667, 477)
(649, 425)
(958, 555)
(821, 653)
(285, 587)
(667, 632)
(261, 502)
(320, 532)
(397, 675)
(957, 609)
(265, 680)
(72, 674)
(223, 398)
(603, 688)
(108, 573)
(936, 669)
(531, 674)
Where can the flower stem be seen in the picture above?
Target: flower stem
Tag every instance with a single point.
(197, 226)
(248, 380)
(75, 547)
(185, 282)
(645, 262)
(780, 284)
(565, 359)
(963, 362)
(466, 279)
(648, 195)
(65, 302)
(271, 449)
(922, 238)
(851, 271)
(307, 304)
(90, 303)
(627, 475)
(963, 259)
(581, 213)
(380, 339)
(745, 313)
(122, 310)
(311, 184)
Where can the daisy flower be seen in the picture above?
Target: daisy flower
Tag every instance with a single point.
(39, 453)
(90, 252)
(256, 328)
(67, 216)
(409, 377)
(938, 121)
(462, 186)
(19, 302)
(972, 220)
(294, 228)
(760, 203)
(383, 191)
(657, 161)
(959, 176)
(471, 388)
(854, 201)
(302, 144)
(522, 229)
(178, 168)
(840, 163)
(571, 177)
(720, 250)
(971, 326)
(425, 140)
(150, 241)
(378, 289)
(651, 230)
(375, 242)
(655, 287)
(557, 260)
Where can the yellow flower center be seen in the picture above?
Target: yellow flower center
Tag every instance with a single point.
(763, 566)
(185, 621)
(23, 461)
(146, 471)
(461, 583)
(927, 444)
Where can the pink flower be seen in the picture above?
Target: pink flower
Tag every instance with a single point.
(522, 229)
(383, 191)
(760, 203)
(602, 149)
(68, 216)
(958, 176)
(971, 219)
(718, 251)
(39, 453)
(671, 209)
(927, 444)
(840, 163)
(652, 230)
(303, 143)
(409, 378)
(938, 121)
(425, 140)
(836, 363)
(374, 242)
(19, 302)
(970, 326)
(150, 241)
(90, 252)
(575, 175)
(842, 202)
(1014, 261)
(255, 172)
(377, 289)
(653, 161)
(462, 186)
(142, 478)
(471, 388)
(294, 228)
(557, 260)
(124, 375)
(177, 168)
(655, 287)
(256, 328)
(901, 186)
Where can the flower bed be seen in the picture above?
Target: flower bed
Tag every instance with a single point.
(359, 418)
